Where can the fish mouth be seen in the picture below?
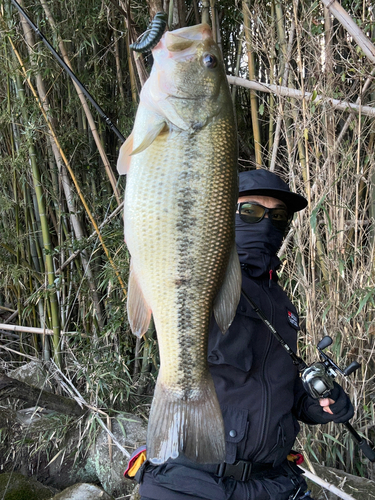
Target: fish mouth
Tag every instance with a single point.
(197, 32)
(184, 38)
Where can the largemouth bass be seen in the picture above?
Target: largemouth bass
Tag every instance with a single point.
(181, 191)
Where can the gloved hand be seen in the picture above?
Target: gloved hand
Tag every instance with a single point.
(342, 408)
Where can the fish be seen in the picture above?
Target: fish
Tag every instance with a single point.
(179, 212)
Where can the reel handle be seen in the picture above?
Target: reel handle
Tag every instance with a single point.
(351, 368)
(325, 342)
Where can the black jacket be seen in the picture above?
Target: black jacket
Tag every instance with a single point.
(257, 384)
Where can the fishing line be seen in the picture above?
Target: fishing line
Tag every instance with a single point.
(70, 72)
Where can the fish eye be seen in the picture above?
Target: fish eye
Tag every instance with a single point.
(209, 60)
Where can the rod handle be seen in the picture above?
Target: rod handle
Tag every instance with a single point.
(367, 450)
(362, 443)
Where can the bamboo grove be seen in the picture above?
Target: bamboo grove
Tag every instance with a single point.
(63, 261)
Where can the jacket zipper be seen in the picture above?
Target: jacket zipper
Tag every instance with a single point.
(266, 416)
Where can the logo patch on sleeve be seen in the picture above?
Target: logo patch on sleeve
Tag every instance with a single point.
(293, 319)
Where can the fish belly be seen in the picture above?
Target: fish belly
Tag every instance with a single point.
(179, 228)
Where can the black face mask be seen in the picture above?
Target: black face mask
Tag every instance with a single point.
(257, 245)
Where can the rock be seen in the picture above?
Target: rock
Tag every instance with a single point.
(130, 431)
(70, 467)
(135, 495)
(33, 374)
(357, 487)
(83, 491)
(65, 471)
(15, 486)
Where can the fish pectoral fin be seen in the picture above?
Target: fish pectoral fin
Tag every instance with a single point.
(152, 132)
(123, 162)
(139, 313)
(164, 105)
(228, 297)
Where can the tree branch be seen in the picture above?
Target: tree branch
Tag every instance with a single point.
(298, 94)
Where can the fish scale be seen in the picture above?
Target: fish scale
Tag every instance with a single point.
(179, 208)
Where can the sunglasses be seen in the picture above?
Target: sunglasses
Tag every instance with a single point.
(252, 213)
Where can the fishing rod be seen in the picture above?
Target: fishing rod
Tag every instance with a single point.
(70, 72)
(318, 378)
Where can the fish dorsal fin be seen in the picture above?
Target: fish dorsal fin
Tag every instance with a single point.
(139, 313)
(123, 162)
(152, 132)
(228, 297)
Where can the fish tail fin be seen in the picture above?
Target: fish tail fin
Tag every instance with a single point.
(192, 426)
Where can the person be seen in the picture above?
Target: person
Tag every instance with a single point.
(258, 386)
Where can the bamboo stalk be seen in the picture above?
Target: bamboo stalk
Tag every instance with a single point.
(170, 15)
(116, 47)
(253, 96)
(196, 12)
(237, 68)
(138, 58)
(18, 232)
(77, 252)
(44, 225)
(26, 329)
(213, 20)
(349, 120)
(306, 164)
(3, 308)
(70, 170)
(85, 106)
(29, 36)
(32, 225)
(271, 105)
(356, 211)
(327, 486)
(206, 11)
(280, 28)
(287, 57)
(298, 94)
(351, 27)
(329, 118)
(133, 82)
(16, 201)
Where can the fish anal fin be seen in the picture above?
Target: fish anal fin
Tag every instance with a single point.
(193, 426)
(139, 313)
(228, 297)
(123, 162)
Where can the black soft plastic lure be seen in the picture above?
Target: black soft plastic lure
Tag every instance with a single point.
(152, 36)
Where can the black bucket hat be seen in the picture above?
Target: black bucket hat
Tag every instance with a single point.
(267, 183)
